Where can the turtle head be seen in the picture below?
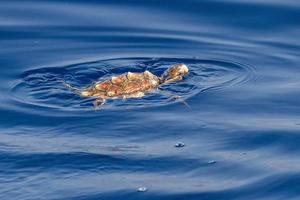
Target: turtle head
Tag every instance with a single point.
(175, 73)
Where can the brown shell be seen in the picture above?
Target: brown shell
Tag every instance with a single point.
(123, 85)
(103, 86)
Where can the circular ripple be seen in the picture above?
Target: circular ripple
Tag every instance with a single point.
(43, 87)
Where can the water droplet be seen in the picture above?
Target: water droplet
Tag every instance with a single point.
(179, 144)
(142, 189)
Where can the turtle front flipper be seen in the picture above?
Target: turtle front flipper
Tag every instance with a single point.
(98, 102)
(174, 97)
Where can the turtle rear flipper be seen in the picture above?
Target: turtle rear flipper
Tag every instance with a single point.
(98, 102)
(71, 88)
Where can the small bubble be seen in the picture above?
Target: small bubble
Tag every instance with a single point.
(211, 162)
(179, 144)
(142, 189)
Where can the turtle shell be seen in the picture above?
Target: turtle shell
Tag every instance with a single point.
(125, 85)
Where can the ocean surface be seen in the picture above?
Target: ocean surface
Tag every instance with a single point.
(239, 138)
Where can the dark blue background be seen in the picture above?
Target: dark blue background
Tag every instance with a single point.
(241, 134)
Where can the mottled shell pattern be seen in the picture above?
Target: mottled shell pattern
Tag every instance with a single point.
(125, 85)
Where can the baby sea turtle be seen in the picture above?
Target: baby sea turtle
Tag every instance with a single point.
(130, 85)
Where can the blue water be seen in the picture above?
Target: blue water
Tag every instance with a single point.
(241, 135)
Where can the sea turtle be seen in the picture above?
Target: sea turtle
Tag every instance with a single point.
(130, 85)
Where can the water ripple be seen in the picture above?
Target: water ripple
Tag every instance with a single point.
(240, 138)
(43, 87)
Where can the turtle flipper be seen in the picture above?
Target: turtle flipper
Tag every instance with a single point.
(98, 102)
(181, 100)
(175, 97)
(71, 88)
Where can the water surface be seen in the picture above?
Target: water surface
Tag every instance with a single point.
(241, 135)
